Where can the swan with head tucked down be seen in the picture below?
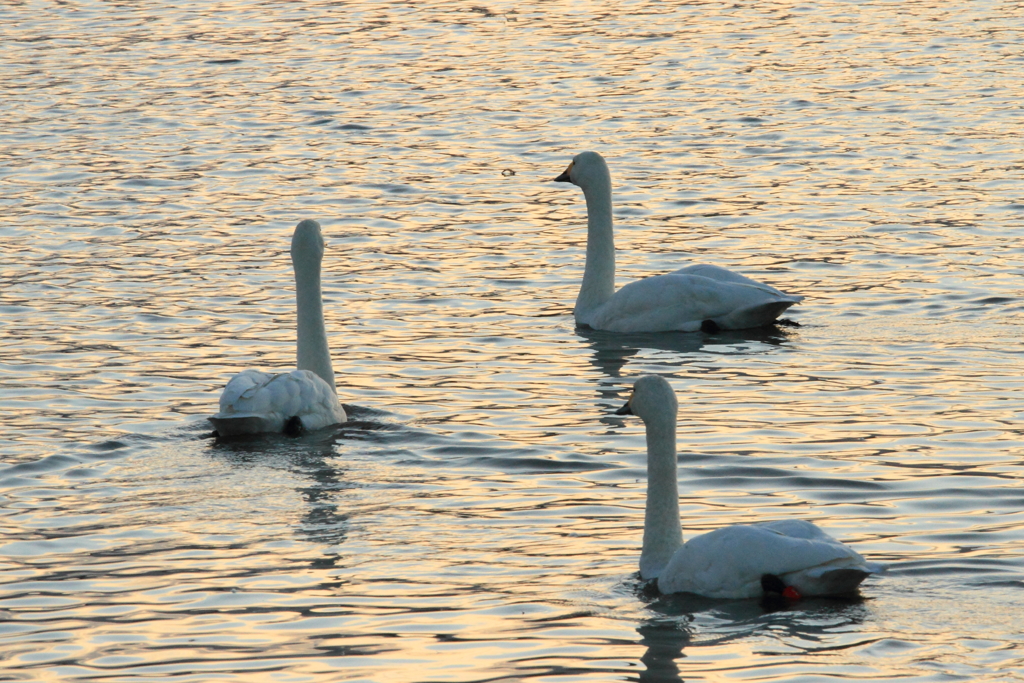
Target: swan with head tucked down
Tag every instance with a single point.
(255, 402)
(741, 561)
(692, 298)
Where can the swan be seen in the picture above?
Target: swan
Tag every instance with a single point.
(692, 298)
(253, 401)
(793, 557)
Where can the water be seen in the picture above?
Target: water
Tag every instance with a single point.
(480, 517)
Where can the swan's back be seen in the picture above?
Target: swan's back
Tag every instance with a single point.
(729, 562)
(256, 401)
(723, 275)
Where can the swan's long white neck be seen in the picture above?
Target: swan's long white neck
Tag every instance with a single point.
(313, 352)
(663, 534)
(599, 273)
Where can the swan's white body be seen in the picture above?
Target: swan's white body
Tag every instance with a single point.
(254, 402)
(728, 562)
(678, 301)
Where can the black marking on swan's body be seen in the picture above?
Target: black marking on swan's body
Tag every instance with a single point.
(710, 327)
(773, 600)
(770, 583)
(293, 426)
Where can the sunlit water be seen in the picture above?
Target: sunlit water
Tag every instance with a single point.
(480, 517)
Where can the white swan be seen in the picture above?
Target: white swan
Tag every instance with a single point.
(739, 561)
(255, 401)
(692, 298)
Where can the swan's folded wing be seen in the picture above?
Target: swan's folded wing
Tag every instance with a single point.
(799, 528)
(319, 404)
(729, 562)
(246, 405)
(723, 275)
(681, 302)
(242, 388)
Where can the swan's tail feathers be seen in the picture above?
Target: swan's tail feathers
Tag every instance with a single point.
(839, 580)
(758, 315)
(240, 423)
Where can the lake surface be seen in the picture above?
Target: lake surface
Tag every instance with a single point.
(479, 519)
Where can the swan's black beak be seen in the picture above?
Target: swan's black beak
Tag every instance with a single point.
(626, 409)
(564, 178)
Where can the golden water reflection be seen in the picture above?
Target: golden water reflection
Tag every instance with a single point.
(480, 517)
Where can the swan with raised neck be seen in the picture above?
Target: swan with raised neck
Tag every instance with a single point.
(654, 400)
(740, 561)
(589, 172)
(689, 299)
(254, 401)
(312, 350)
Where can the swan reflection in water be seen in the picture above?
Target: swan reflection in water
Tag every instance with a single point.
(682, 621)
(612, 350)
(313, 457)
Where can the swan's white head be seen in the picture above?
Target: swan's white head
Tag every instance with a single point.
(586, 170)
(652, 398)
(307, 242)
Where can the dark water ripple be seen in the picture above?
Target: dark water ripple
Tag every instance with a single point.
(479, 519)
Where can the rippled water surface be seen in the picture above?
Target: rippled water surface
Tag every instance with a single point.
(479, 519)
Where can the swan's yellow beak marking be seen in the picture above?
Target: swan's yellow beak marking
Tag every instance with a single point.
(564, 178)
